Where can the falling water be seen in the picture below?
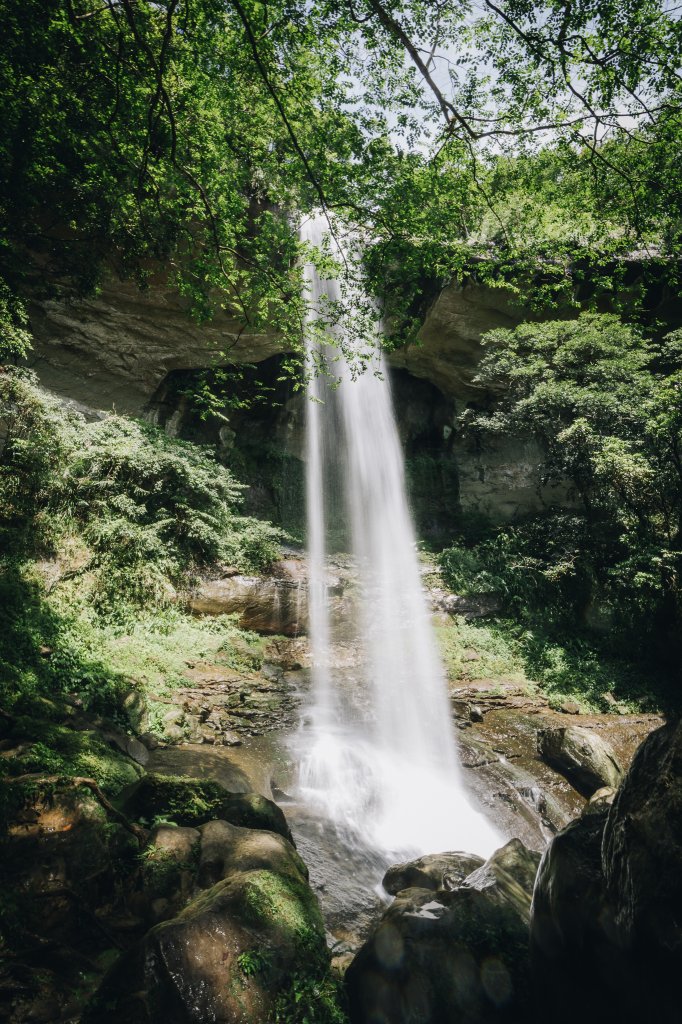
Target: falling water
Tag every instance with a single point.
(380, 761)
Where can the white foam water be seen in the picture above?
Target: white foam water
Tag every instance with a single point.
(379, 760)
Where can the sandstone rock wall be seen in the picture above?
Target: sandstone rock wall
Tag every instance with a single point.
(128, 350)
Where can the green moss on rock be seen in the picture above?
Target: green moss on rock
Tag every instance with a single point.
(196, 801)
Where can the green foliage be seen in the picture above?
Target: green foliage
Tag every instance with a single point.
(15, 336)
(99, 522)
(532, 652)
(48, 651)
(312, 1000)
(177, 800)
(149, 508)
(48, 748)
(253, 961)
(480, 650)
(603, 401)
(188, 139)
(37, 435)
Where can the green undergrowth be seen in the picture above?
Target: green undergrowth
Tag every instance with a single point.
(48, 748)
(560, 667)
(104, 526)
(312, 999)
(57, 649)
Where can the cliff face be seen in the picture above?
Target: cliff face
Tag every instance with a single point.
(115, 350)
(450, 339)
(135, 351)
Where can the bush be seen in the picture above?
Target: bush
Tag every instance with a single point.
(604, 402)
(151, 509)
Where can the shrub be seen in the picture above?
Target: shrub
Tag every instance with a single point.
(603, 400)
(150, 508)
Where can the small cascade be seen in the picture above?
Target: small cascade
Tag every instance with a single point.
(378, 755)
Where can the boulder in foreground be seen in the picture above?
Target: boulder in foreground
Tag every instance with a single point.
(434, 871)
(451, 955)
(235, 951)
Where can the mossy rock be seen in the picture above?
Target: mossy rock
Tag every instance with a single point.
(452, 955)
(48, 748)
(193, 802)
(229, 956)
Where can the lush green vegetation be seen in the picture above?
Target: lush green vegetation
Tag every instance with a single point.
(530, 146)
(186, 139)
(103, 524)
(603, 400)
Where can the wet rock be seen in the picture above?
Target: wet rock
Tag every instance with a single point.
(583, 757)
(289, 654)
(459, 955)
(227, 848)
(129, 745)
(228, 738)
(168, 869)
(599, 801)
(193, 802)
(174, 733)
(265, 604)
(511, 870)
(150, 741)
(642, 860)
(434, 871)
(173, 725)
(466, 711)
(515, 798)
(174, 842)
(228, 955)
(573, 942)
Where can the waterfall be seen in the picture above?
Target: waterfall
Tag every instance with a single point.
(379, 756)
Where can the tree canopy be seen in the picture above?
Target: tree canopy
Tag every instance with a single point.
(193, 135)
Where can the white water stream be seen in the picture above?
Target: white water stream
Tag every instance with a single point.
(378, 761)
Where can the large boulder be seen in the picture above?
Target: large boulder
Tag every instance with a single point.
(642, 860)
(235, 952)
(606, 927)
(270, 605)
(451, 955)
(510, 872)
(193, 802)
(574, 950)
(227, 849)
(434, 871)
(583, 757)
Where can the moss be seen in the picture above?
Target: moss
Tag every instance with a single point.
(285, 901)
(162, 870)
(196, 801)
(52, 749)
